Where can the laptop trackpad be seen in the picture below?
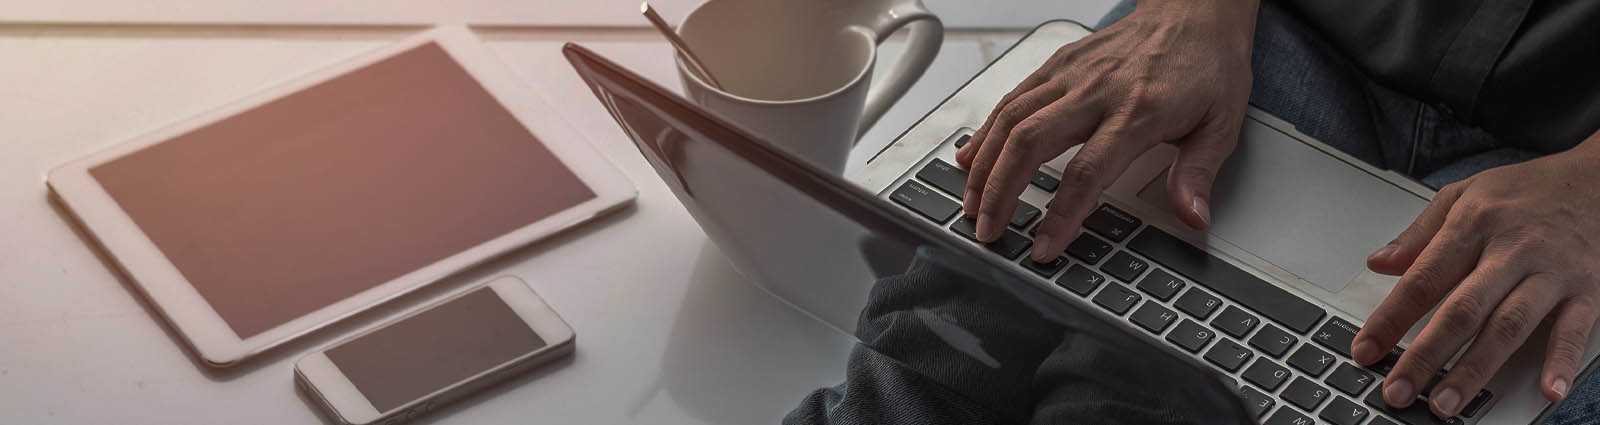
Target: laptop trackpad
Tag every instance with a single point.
(1300, 209)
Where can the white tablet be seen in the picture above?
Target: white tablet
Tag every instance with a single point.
(289, 210)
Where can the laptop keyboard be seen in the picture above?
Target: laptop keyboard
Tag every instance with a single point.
(1289, 359)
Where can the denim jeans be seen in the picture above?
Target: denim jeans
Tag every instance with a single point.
(1304, 81)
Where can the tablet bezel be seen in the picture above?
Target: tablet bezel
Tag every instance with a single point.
(199, 324)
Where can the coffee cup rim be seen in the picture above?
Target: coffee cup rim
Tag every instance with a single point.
(864, 71)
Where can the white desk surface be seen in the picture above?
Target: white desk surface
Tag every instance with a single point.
(668, 332)
(968, 14)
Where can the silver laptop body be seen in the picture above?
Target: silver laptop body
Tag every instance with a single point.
(1287, 209)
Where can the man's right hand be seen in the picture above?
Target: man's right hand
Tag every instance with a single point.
(1173, 71)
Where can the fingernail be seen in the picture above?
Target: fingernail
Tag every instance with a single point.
(984, 232)
(1560, 387)
(1382, 253)
(1398, 393)
(1041, 248)
(1447, 402)
(1366, 352)
(1200, 209)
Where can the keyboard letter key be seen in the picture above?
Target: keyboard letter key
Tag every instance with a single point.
(1190, 335)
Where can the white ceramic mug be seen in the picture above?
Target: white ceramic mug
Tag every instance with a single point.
(796, 72)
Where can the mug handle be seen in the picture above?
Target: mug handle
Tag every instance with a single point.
(927, 35)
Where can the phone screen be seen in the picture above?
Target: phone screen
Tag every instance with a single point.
(434, 349)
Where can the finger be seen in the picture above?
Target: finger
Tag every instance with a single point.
(965, 155)
(1019, 109)
(1438, 272)
(1504, 331)
(1393, 259)
(1043, 136)
(1200, 155)
(1448, 256)
(1096, 165)
(1569, 337)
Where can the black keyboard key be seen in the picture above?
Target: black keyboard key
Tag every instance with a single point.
(1387, 363)
(1336, 335)
(1256, 402)
(1273, 341)
(1379, 420)
(1342, 411)
(1117, 299)
(1349, 379)
(1124, 266)
(1235, 321)
(1415, 414)
(1045, 269)
(1477, 403)
(944, 176)
(1228, 355)
(1024, 215)
(1305, 393)
(952, 180)
(921, 199)
(1197, 303)
(1161, 285)
(1045, 182)
(962, 142)
(1266, 374)
(1009, 245)
(1153, 317)
(1089, 249)
(1287, 416)
(1111, 222)
(1190, 335)
(1080, 280)
(1203, 269)
(1311, 360)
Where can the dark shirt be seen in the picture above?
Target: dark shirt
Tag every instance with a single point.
(1526, 71)
(939, 346)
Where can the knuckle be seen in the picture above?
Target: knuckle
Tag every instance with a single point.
(1082, 171)
(1567, 347)
(1460, 318)
(1025, 136)
(1453, 189)
(1510, 321)
(992, 199)
(1014, 111)
(1478, 214)
(1421, 283)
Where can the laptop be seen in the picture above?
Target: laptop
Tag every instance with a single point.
(1268, 299)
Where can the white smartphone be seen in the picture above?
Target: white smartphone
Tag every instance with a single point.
(402, 369)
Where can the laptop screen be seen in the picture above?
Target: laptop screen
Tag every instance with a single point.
(944, 336)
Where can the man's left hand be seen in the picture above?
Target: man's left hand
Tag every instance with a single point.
(1504, 250)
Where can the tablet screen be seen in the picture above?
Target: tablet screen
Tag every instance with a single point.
(306, 200)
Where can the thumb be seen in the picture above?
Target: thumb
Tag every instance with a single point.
(1200, 155)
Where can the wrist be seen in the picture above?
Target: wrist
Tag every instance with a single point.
(1233, 21)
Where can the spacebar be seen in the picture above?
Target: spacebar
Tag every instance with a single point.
(1212, 272)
